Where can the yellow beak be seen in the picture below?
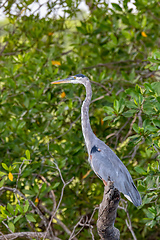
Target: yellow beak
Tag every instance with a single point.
(61, 81)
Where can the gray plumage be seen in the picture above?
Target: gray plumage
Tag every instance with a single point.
(102, 159)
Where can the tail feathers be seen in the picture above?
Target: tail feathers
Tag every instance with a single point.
(132, 194)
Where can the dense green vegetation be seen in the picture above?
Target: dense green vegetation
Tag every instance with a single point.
(42, 146)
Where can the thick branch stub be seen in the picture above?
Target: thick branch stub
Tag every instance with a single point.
(107, 213)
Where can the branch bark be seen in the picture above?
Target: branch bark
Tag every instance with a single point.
(36, 235)
(107, 213)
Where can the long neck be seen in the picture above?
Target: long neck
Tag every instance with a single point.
(86, 127)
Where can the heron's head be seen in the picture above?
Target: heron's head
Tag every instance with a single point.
(79, 78)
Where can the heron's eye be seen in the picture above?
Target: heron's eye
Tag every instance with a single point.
(74, 77)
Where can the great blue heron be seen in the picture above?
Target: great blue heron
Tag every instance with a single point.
(104, 162)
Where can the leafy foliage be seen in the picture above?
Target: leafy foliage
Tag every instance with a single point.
(42, 145)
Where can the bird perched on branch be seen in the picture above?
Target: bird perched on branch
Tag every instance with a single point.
(104, 162)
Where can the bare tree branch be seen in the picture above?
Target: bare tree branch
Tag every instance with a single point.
(107, 213)
(73, 234)
(128, 221)
(111, 64)
(36, 235)
(17, 192)
(59, 222)
(4, 237)
(62, 192)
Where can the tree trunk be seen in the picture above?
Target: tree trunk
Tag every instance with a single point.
(107, 213)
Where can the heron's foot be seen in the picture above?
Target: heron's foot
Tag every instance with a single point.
(104, 182)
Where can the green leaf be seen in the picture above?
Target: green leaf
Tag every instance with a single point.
(19, 207)
(116, 105)
(55, 185)
(135, 128)
(151, 128)
(148, 87)
(157, 54)
(43, 188)
(156, 86)
(2, 182)
(152, 210)
(21, 125)
(114, 39)
(2, 174)
(154, 60)
(132, 20)
(140, 170)
(141, 188)
(26, 206)
(144, 21)
(108, 109)
(126, 34)
(28, 154)
(5, 166)
(11, 226)
(156, 123)
(146, 122)
(108, 118)
(17, 218)
(129, 113)
(89, 28)
(131, 104)
(10, 208)
(36, 188)
(117, 7)
(125, 2)
(148, 108)
(30, 218)
(151, 223)
(132, 75)
(138, 89)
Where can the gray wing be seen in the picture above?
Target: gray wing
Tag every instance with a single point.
(106, 164)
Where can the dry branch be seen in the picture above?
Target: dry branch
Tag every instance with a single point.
(107, 213)
(22, 235)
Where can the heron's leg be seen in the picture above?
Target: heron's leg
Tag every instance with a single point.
(105, 183)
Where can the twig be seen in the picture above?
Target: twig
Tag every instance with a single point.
(67, 130)
(135, 149)
(118, 132)
(130, 129)
(59, 222)
(110, 135)
(101, 85)
(128, 222)
(62, 192)
(155, 148)
(78, 223)
(3, 48)
(7, 227)
(52, 192)
(16, 191)
(110, 64)
(3, 236)
(97, 99)
(90, 226)
(19, 173)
